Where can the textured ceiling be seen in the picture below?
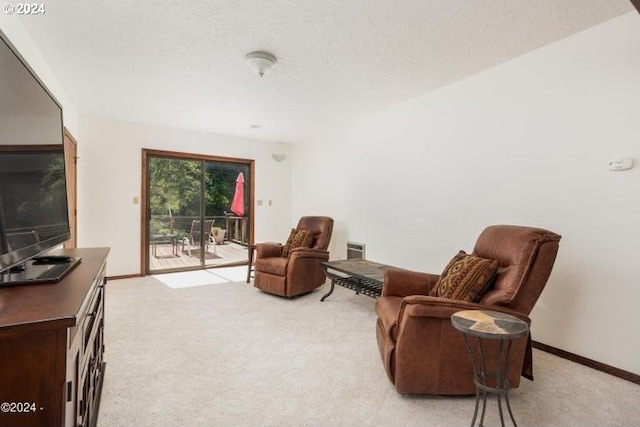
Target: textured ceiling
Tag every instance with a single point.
(181, 63)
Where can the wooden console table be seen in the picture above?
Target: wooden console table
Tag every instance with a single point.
(51, 347)
(359, 275)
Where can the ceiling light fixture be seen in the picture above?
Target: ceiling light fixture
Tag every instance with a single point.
(261, 62)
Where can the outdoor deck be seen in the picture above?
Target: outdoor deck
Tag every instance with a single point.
(228, 253)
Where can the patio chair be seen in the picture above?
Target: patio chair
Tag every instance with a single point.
(196, 236)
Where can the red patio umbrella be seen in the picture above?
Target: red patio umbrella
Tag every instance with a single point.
(237, 204)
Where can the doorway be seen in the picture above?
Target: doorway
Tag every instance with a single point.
(196, 211)
(70, 164)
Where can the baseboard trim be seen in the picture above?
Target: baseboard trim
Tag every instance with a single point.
(599, 366)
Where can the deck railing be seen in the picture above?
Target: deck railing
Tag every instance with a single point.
(236, 228)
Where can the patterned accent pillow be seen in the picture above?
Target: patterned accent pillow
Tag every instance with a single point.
(297, 239)
(465, 278)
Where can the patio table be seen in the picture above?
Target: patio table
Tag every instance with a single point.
(164, 239)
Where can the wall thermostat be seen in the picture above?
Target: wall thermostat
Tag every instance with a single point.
(620, 163)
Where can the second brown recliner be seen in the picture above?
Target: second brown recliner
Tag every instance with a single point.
(291, 271)
(422, 352)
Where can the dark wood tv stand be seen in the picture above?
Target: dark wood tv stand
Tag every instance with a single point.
(51, 347)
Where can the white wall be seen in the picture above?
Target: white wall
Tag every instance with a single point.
(15, 31)
(523, 143)
(109, 177)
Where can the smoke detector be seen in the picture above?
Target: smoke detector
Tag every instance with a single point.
(261, 62)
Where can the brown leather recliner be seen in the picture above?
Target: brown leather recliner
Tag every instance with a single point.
(299, 272)
(423, 353)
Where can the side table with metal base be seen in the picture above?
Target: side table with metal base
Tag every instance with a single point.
(492, 325)
(251, 249)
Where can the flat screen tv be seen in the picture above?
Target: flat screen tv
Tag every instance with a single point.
(33, 192)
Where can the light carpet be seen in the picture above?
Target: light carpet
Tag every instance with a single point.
(226, 354)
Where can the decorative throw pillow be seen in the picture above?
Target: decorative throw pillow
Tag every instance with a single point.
(465, 278)
(297, 239)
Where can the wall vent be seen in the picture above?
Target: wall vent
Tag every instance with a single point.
(355, 250)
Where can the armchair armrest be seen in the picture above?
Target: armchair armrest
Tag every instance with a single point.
(308, 253)
(401, 283)
(268, 250)
(426, 306)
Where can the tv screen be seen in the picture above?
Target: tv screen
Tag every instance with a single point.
(33, 192)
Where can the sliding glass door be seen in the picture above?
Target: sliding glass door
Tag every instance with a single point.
(198, 211)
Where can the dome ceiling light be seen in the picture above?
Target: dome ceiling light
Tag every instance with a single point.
(261, 62)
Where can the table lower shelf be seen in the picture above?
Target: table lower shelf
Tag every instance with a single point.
(370, 288)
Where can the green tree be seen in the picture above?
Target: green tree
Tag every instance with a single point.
(175, 184)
